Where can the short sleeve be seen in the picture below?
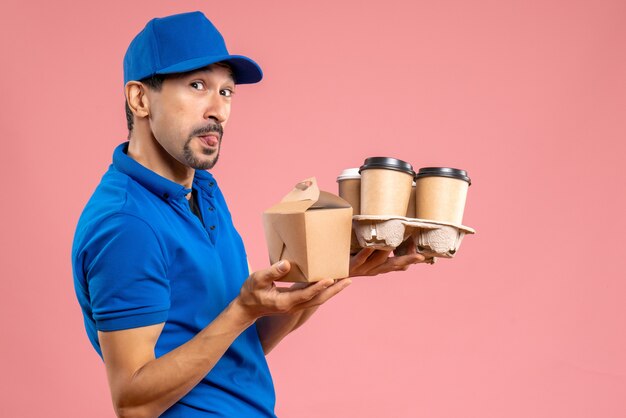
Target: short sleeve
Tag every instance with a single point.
(126, 274)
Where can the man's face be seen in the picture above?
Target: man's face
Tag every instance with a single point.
(189, 112)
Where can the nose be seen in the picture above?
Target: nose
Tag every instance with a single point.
(217, 108)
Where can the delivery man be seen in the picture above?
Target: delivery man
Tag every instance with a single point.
(160, 272)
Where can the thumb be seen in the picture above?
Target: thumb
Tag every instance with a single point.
(275, 272)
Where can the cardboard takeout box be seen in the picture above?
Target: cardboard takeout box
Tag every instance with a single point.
(311, 229)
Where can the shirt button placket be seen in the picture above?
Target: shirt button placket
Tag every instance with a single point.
(212, 218)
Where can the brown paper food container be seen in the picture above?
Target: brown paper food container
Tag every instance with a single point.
(385, 186)
(311, 229)
(440, 194)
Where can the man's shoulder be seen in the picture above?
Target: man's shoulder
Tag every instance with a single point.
(119, 218)
(117, 195)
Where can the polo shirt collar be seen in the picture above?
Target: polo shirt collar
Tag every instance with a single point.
(159, 185)
(205, 181)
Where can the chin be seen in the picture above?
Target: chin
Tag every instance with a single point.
(204, 163)
(203, 159)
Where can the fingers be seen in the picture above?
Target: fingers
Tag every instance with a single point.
(401, 263)
(325, 295)
(360, 258)
(379, 262)
(298, 285)
(378, 258)
(313, 295)
(374, 259)
(409, 259)
(290, 298)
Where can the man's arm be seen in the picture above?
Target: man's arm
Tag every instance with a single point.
(367, 262)
(144, 386)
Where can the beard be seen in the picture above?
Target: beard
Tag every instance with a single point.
(191, 159)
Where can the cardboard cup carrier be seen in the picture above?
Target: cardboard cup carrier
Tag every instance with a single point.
(389, 221)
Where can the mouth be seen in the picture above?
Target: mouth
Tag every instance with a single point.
(210, 140)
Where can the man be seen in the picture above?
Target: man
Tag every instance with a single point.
(160, 272)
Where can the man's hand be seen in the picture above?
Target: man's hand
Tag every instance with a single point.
(259, 296)
(281, 310)
(370, 262)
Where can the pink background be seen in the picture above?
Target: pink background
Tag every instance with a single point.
(529, 96)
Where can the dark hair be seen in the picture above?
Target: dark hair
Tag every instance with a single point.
(155, 82)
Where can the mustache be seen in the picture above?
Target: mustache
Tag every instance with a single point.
(211, 128)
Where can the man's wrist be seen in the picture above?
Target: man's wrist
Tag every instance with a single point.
(239, 311)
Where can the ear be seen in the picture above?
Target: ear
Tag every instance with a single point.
(137, 99)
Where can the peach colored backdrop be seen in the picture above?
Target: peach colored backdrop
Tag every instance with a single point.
(529, 96)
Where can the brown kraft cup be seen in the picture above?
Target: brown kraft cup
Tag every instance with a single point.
(440, 194)
(410, 212)
(385, 186)
(350, 188)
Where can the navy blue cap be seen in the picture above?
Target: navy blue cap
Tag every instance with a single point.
(182, 43)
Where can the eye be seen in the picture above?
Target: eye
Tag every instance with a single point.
(198, 85)
(227, 92)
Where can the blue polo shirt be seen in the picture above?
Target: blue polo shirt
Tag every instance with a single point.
(141, 257)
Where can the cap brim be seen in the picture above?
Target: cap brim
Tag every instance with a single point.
(246, 71)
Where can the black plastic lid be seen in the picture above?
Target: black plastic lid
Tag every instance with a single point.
(387, 163)
(454, 173)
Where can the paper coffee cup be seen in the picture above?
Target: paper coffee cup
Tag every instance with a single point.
(385, 186)
(440, 194)
(410, 211)
(350, 188)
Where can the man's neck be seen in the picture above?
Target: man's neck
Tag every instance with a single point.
(151, 155)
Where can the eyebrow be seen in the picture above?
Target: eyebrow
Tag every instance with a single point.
(210, 70)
